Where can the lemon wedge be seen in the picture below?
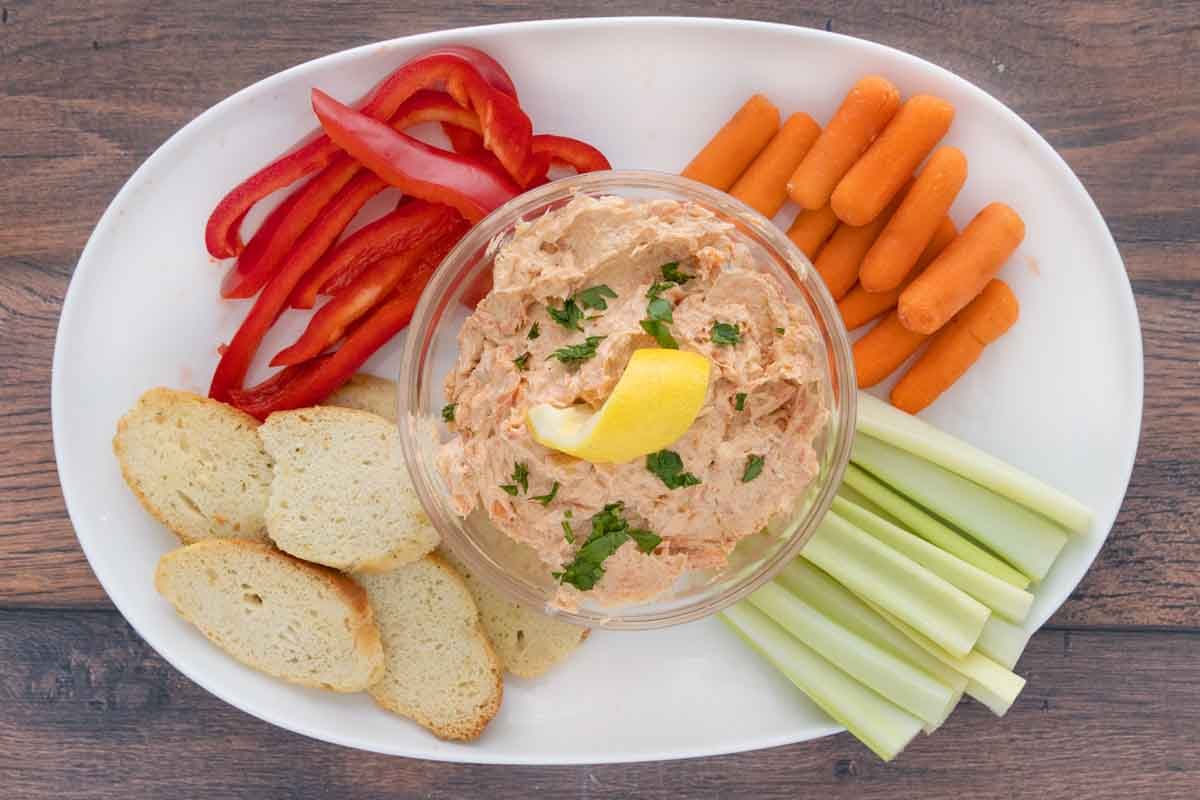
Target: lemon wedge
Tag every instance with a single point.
(653, 404)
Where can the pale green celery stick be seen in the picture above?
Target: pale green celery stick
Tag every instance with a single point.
(1002, 641)
(988, 682)
(1003, 598)
(899, 429)
(929, 527)
(880, 725)
(1028, 541)
(896, 680)
(848, 492)
(876, 572)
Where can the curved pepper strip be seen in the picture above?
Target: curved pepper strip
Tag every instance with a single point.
(330, 323)
(571, 152)
(272, 243)
(389, 235)
(270, 303)
(417, 169)
(311, 382)
(472, 77)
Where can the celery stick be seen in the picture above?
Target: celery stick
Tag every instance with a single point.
(930, 528)
(988, 682)
(1003, 598)
(1028, 541)
(848, 492)
(880, 420)
(874, 571)
(895, 679)
(875, 722)
(1002, 641)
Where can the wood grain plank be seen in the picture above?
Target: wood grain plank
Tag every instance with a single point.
(84, 700)
(90, 90)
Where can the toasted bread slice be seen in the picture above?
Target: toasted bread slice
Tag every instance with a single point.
(297, 621)
(366, 393)
(196, 465)
(527, 641)
(441, 670)
(341, 495)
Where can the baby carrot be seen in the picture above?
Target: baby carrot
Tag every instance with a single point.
(810, 229)
(840, 258)
(763, 186)
(962, 270)
(882, 349)
(957, 346)
(726, 156)
(867, 107)
(897, 249)
(860, 306)
(876, 177)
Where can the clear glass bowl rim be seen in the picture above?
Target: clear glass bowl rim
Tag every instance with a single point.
(424, 474)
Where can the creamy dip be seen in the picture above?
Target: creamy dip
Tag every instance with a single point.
(750, 447)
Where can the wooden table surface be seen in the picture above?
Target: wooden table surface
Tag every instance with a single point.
(89, 89)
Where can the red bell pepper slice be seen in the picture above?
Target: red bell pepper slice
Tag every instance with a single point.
(571, 152)
(332, 320)
(392, 234)
(235, 361)
(274, 242)
(472, 77)
(311, 382)
(417, 169)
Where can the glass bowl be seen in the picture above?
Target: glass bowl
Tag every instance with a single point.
(514, 569)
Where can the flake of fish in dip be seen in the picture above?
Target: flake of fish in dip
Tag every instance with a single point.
(588, 270)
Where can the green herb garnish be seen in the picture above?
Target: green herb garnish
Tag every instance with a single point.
(508, 487)
(546, 499)
(726, 334)
(754, 468)
(780, 331)
(661, 333)
(448, 412)
(739, 401)
(522, 361)
(575, 354)
(534, 331)
(668, 466)
(659, 309)
(610, 530)
(671, 273)
(568, 534)
(520, 477)
(569, 316)
(593, 297)
(657, 288)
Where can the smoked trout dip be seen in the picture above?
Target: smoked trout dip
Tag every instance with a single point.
(624, 533)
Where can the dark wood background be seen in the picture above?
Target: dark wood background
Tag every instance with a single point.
(89, 89)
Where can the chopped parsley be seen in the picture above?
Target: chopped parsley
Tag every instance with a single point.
(754, 468)
(573, 355)
(661, 333)
(670, 272)
(739, 401)
(610, 530)
(568, 534)
(726, 334)
(657, 288)
(668, 466)
(546, 499)
(780, 331)
(569, 316)
(522, 361)
(520, 477)
(535, 331)
(660, 310)
(593, 297)
(448, 412)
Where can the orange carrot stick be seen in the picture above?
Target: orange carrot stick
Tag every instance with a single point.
(882, 349)
(864, 112)
(897, 249)
(810, 229)
(876, 177)
(726, 156)
(957, 346)
(763, 186)
(840, 259)
(860, 306)
(962, 270)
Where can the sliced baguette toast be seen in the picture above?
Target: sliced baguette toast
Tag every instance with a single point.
(366, 393)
